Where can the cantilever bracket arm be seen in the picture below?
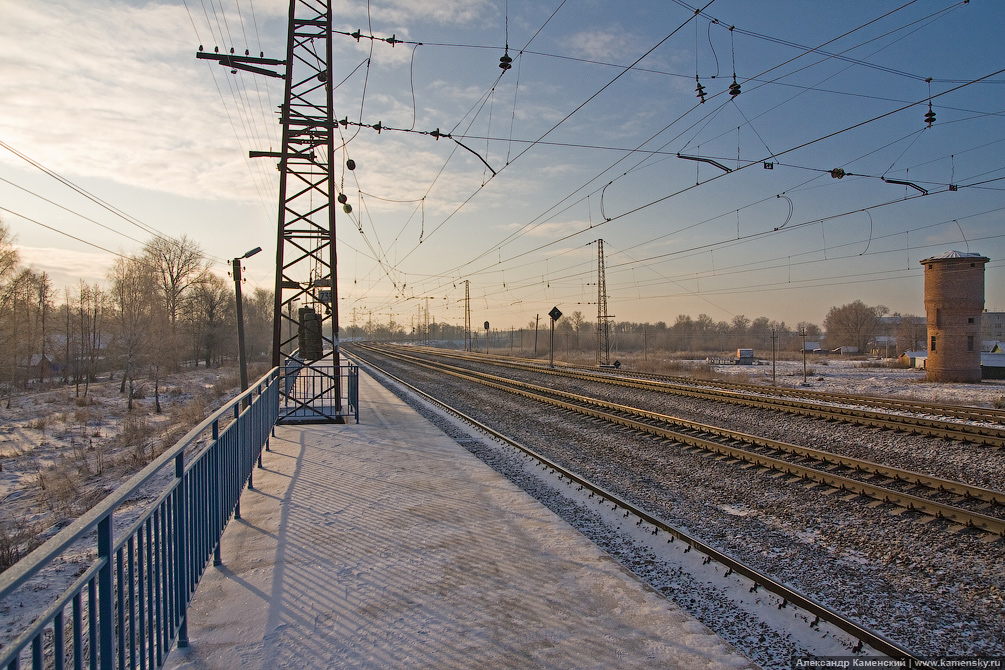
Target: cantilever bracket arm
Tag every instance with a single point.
(905, 183)
(704, 160)
(243, 63)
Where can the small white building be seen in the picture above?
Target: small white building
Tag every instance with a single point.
(915, 359)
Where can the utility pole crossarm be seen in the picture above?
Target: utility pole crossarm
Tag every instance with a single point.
(243, 63)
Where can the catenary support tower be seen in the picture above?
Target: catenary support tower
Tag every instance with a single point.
(305, 319)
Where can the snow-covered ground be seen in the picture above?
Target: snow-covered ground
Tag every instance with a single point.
(850, 376)
(62, 451)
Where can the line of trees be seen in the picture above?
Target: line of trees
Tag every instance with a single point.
(575, 332)
(853, 325)
(161, 308)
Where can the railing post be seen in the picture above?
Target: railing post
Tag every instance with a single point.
(214, 494)
(181, 550)
(237, 464)
(106, 605)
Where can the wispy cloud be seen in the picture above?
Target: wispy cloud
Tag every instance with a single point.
(129, 105)
(66, 267)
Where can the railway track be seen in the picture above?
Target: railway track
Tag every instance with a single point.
(888, 414)
(909, 490)
(783, 595)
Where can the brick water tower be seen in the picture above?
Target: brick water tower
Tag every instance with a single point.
(954, 300)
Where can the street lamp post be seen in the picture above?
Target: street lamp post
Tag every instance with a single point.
(242, 357)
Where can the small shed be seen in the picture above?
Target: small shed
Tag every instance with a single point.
(992, 365)
(915, 359)
(810, 347)
(744, 356)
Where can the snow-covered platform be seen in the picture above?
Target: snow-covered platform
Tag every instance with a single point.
(385, 544)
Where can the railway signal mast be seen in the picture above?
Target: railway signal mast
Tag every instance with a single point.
(305, 297)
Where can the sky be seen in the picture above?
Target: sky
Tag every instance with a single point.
(590, 136)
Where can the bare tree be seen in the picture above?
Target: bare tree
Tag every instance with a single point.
(91, 305)
(853, 324)
(258, 323)
(211, 315)
(9, 259)
(133, 295)
(912, 333)
(577, 321)
(178, 265)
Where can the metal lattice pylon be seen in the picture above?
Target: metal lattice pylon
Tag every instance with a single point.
(305, 246)
(603, 319)
(305, 325)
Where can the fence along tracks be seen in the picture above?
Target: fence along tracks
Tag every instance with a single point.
(813, 465)
(861, 410)
(784, 594)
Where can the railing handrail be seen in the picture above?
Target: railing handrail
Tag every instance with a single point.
(19, 573)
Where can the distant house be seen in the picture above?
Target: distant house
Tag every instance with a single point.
(915, 359)
(845, 349)
(884, 345)
(41, 367)
(810, 347)
(993, 365)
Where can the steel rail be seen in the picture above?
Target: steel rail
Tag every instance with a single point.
(990, 436)
(788, 594)
(965, 412)
(907, 501)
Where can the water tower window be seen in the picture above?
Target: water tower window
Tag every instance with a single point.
(970, 342)
(970, 319)
(932, 347)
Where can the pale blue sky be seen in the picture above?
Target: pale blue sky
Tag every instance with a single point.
(109, 95)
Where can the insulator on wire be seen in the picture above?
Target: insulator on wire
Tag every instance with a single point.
(342, 198)
(351, 164)
(347, 208)
(505, 62)
(930, 115)
(837, 173)
(700, 90)
(734, 88)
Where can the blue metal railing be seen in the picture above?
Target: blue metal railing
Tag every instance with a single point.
(128, 603)
(319, 392)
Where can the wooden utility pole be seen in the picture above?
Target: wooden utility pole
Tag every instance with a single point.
(802, 332)
(774, 337)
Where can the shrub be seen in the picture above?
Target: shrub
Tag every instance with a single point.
(17, 538)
